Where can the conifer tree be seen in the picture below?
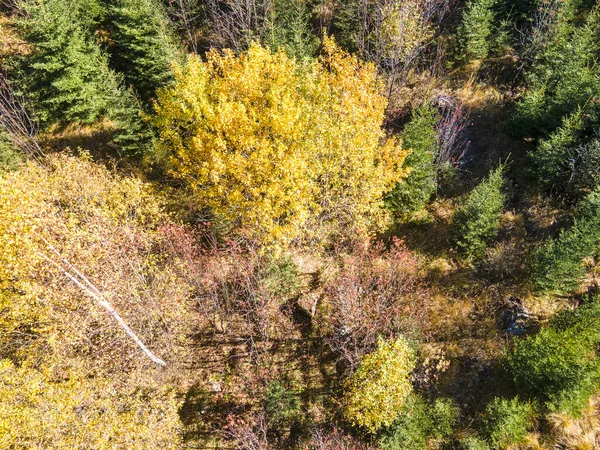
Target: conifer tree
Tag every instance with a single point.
(64, 75)
(478, 219)
(420, 137)
(142, 44)
(476, 29)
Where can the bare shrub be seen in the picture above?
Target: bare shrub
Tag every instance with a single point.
(334, 439)
(17, 122)
(376, 293)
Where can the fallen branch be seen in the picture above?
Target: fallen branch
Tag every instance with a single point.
(86, 286)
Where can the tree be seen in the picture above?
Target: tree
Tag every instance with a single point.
(507, 421)
(478, 218)
(142, 44)
(376, 392)
(66, 74)
(476, 29)
(559, 365)
(300, 145)
(420, 137)
(557, 265)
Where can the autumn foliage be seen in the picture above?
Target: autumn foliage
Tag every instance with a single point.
(275, 146)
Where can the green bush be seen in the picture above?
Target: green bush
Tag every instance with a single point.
(281, 405)
(420, 137)
(559, 364)
(473, 443)
(507, 421)
(557, 266)
(10, 158)
(418, 422)
(142, 44)
(477, 220)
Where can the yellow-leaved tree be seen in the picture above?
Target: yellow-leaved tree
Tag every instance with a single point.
(276, 147)
(376, 392)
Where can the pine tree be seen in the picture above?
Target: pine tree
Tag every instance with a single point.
(290, 29)
(477, 28)
(142, 44)
(420, 137)
(478, 219)
(64, 75)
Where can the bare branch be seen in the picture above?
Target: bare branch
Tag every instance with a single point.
(86, 286)
(16, 122)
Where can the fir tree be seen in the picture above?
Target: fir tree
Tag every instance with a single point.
(142, 44)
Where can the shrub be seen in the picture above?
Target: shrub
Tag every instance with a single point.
(142, 45)
(10, 158)
(377, 391)
(418, 422)
(281, 405)
(376, 293)
(420, 137)
(99, 412)
(473, 443)
(300, 144)
(478, 218)
(507, 421)
(557, 265)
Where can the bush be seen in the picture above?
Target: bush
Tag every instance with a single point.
(557, 266)
(478, 218)
(418, 422)
(507, 421)
(281, 405)
(559, 364)
(420, 137)
(10, 158)
(299, 148)
(377, 391)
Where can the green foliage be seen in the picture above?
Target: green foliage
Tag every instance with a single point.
(559, 364)
(290, 29)
(377, 391)
(281, 405)
(418, 422)
(282, 277)
(10, 158)
(507, 421)
(142, 44)
(557, 266)
(564, 78)
(478, 218)
(420, 137)
(66, 74)
(476, 29)
(473, 443)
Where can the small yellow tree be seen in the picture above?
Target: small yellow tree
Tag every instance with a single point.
(376, 392)
(271, 144)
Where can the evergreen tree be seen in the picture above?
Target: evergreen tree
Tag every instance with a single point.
(478, 219)
(476, 29)
(564, 78)
(290, 29)
(557, 266)
(420, 136)
(64, 75)
(142, 44)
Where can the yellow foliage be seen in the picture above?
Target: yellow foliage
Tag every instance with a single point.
(106, 226)
(377, 391)
(273, 145)
(40, 411)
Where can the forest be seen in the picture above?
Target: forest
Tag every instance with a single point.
(300, 224)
